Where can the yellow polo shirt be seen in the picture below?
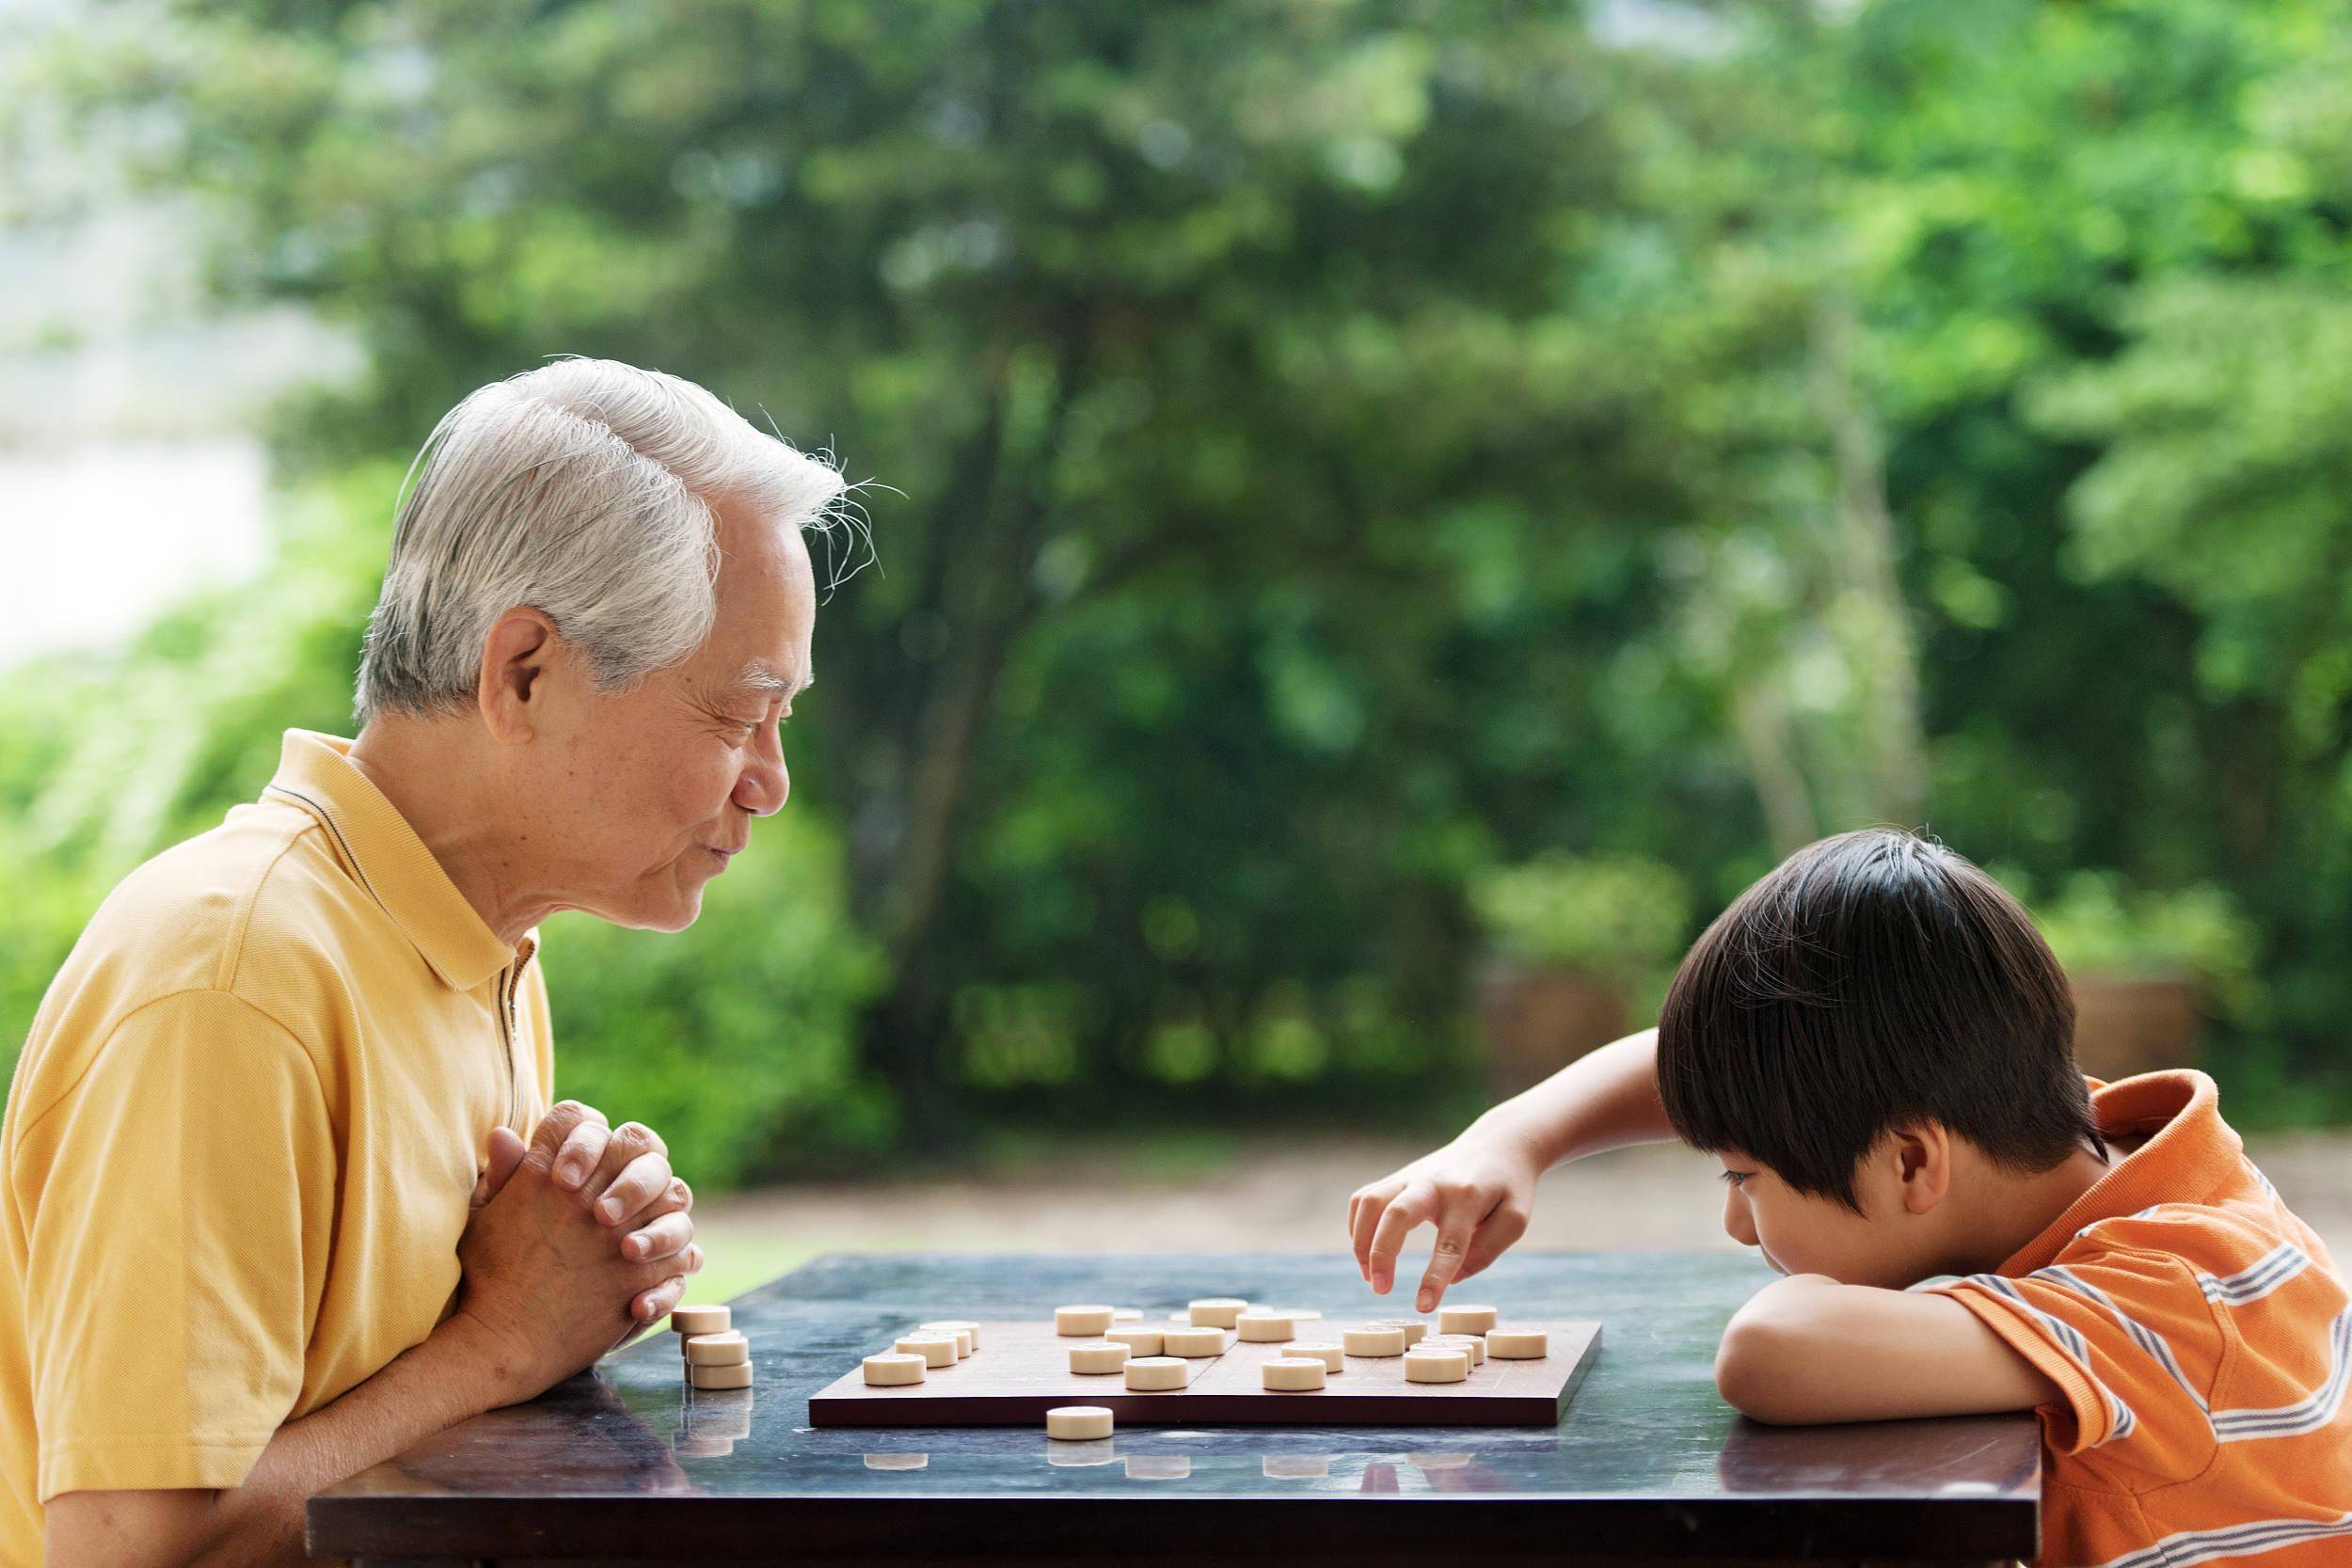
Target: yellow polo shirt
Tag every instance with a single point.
(241, 1140)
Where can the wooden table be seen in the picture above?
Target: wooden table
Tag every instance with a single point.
(1649, 1466)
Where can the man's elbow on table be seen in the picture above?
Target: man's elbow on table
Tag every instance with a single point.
(161, 1529)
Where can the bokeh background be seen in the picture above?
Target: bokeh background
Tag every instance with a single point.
(1384, 517)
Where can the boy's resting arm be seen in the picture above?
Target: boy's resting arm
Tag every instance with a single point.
(1807, 1349)
(1479, 1189)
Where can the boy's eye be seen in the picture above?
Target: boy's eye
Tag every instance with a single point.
(1735, 1176)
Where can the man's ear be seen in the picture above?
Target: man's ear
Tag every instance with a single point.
(1922, 1155)
(516, 657)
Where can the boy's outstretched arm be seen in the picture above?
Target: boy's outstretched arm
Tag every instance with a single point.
(1808, 1348)
(1479, 1189)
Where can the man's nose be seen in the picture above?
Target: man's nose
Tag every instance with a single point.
(767, 783)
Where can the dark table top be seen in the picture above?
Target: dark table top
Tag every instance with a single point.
(1647, 1465)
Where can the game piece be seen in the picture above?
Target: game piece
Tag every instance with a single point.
(962, 1333)
(700, 1320)
(1217, 1311)
(937, 1350)
(733, 1374)
(1469, 1344)
(701, 1448)
(1414, 1328)
(1127, 1315)
(1373, 1339)
(1264, 1328)
(1293, 1373)
(1423, 1365)
(1101, 1355)
(1087, 1322)
(1518, 1345)
(1143, 1341)
(1151, 1374)
(1192, 1342)
(1078, 1421)
(890, 1370)
(1296, 1314)
(1185, 1317)
(946, 1325)
(1442, 1460)
(1159, 1466)
(1465, 1319)
(1295, 1466)
(897, 1461)
(722, 1349)
(1330, 1352)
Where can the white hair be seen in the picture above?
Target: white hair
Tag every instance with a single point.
(583, 489)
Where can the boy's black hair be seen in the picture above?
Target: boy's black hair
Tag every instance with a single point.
(1871, 979)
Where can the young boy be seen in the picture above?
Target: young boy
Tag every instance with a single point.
(1878, 1046)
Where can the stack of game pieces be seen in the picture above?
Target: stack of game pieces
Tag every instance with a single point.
(716, 1356)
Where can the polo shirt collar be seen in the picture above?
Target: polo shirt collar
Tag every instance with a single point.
(2190, 1154)
(388, 859)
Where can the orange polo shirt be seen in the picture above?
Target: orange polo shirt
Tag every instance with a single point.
(243, 1138)
(2203, 1340)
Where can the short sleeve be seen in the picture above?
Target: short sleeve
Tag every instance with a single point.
(178, 1239)
(2129, 1339)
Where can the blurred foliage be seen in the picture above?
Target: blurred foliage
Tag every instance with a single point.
(1338, 448)
(1617, 917)
(2098, 926)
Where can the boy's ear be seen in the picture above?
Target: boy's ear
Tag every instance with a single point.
(1922, 1153)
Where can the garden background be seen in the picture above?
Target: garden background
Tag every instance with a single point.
(1328, 458)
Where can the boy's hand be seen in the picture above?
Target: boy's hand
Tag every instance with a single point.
(1478, 1190)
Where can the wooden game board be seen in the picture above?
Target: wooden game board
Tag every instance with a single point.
(1022, 1370)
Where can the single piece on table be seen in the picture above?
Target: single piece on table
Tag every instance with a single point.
(1101, 1355)
(1082, 1322)
(1155, 1374)
(1078, 1422)
(1295, 1373)
(1265, 1328)
(937, 1350)
(1466, 1319)
(1424, 1364)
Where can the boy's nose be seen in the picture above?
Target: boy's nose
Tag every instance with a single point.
(1738, 1223)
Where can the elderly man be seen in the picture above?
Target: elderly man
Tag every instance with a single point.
(284, 1194)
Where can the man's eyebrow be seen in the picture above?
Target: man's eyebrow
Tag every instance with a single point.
(762, 678)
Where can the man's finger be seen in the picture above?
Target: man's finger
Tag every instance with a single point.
(633, 1173)
(505, 1157)
(653, 1305)
(1416, 1203)
(584, 1151)
(555, 1127)
(664, 1238)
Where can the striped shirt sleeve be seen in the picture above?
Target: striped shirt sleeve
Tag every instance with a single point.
(2130, 1340)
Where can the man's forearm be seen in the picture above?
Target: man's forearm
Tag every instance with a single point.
(454, 1375)
(1604, 1100)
